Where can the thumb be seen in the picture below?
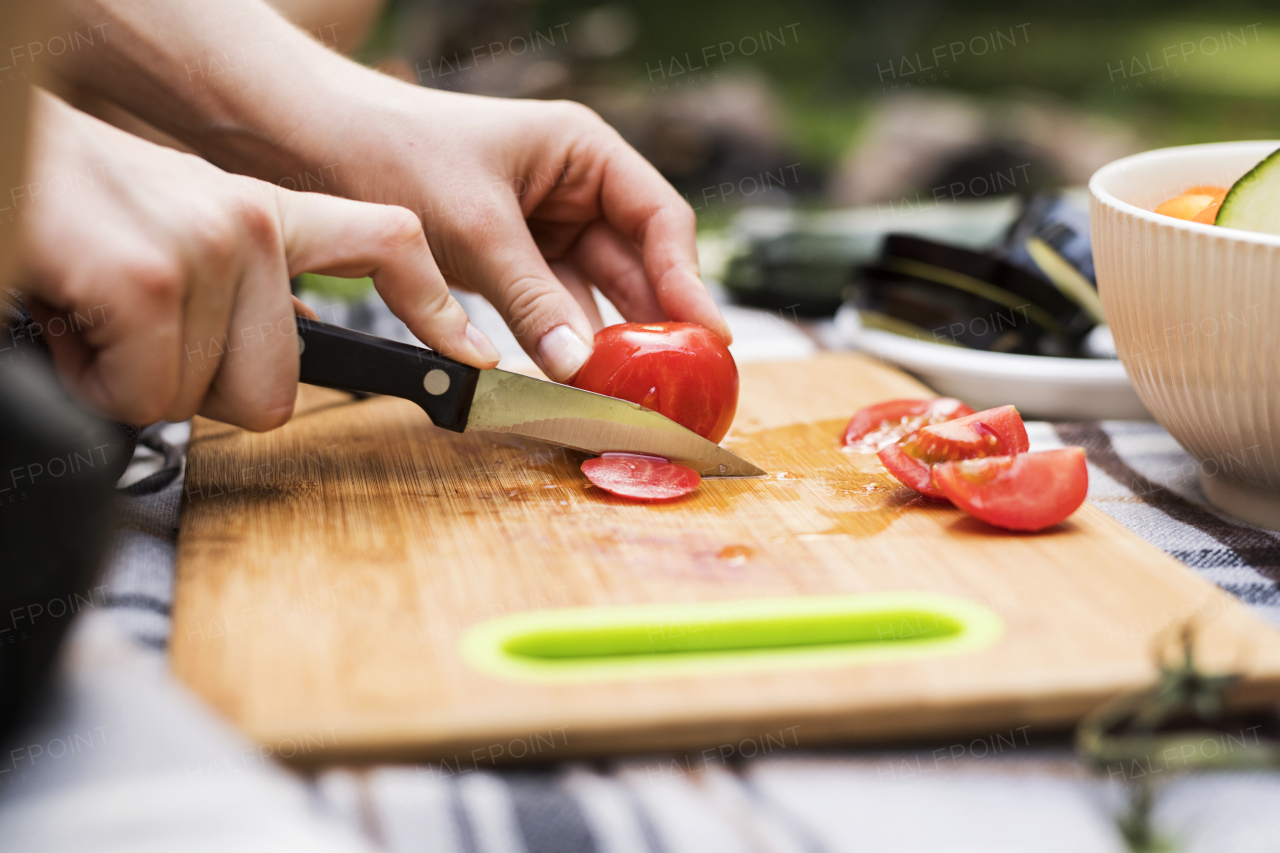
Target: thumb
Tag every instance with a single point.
(338, 236)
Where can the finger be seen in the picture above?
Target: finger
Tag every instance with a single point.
(214, 276)
(302, 309)
(71, 355)
(580, 289)
(126, 364)
(494, 251)
(257, 383)
(606, 258)
(338, 236)
(647, 210)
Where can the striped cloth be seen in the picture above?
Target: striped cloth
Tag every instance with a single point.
(154, 769)
(1142, 478)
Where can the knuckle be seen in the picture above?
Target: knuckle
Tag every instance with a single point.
(143, 412)
(530, 301)
(156, 280)
(681, 213)
(400, 227)
(181, 412)
(432, 310)
(69, 288)
(265, 408)
(675, 215)
(435, 301)
(217, 237)
(260, 223)
(265, 420)
(143, 409)
(576, 112)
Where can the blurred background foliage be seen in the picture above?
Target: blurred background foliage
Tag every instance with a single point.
(862, 103)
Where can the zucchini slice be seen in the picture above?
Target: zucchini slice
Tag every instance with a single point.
(1253, 202)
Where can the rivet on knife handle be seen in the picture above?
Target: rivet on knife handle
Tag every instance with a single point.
(334, 357)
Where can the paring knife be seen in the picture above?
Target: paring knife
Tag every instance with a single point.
(461, 398)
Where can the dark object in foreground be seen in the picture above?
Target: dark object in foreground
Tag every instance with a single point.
(58, 467)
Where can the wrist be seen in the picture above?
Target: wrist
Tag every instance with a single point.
(242, 86)
(333, 131)
(272, 111)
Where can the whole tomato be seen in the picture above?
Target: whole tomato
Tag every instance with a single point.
(680, 370)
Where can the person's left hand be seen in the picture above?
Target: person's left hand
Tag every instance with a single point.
(162, 282)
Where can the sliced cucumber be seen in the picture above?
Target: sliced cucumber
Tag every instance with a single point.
(1253, 202)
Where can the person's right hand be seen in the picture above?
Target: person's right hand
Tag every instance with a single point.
(162, 282)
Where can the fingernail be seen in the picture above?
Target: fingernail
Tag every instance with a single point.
(720, 326)
(722, 330)
(563, 353)
(483, 345)
(711, 310)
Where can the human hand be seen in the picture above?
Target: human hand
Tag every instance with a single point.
(162, 282)
(529, 203)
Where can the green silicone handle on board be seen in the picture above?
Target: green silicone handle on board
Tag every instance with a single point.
(654, 641)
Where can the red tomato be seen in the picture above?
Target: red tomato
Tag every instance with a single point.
(994, 432)
(909, 470)
(642, 478)
(882, 424)
(680, 370)
(1030, 491)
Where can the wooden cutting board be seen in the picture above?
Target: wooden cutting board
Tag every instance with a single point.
(330, 571)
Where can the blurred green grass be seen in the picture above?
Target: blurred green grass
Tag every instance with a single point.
(828, 80)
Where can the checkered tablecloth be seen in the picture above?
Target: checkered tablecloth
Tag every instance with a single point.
(124, 758)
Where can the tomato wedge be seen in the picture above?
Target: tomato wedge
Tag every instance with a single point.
(1030, 491)
(993, 432)
(641, 478)
(881, 424)
(909, 470)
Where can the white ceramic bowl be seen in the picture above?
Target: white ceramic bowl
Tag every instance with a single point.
(1195, 311)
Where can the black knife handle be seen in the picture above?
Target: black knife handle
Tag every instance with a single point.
(340, 358)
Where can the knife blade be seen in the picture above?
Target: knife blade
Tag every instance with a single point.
(462, 398)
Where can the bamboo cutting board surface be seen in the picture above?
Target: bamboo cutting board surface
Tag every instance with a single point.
(327, 571)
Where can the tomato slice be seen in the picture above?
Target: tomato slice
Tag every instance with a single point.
(882, 424)
(993, 432)
(639, 477)
(1030, 491)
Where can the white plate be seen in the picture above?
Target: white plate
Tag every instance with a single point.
(1070, 389)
